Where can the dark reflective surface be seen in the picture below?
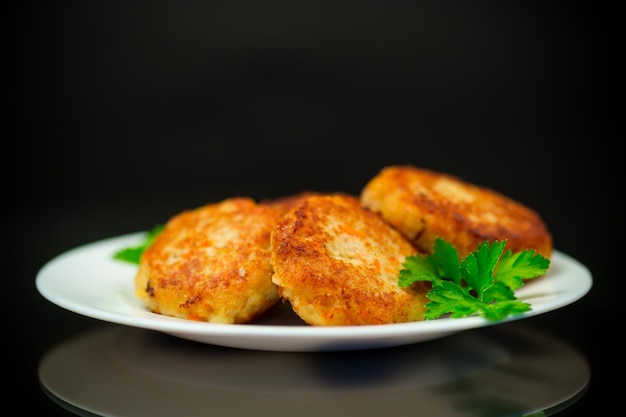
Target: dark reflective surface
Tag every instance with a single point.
(118, 116)
(505, 370)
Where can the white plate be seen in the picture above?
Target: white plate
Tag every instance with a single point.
(88, 281)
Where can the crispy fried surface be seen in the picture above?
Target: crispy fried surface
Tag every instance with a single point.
(211, 264)
(424, 205)
(338, 264)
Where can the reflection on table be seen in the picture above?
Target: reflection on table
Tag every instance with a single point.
(505, 370)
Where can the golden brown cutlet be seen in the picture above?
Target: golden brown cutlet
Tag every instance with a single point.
(338, 264)
(211, 263)
(424, 205)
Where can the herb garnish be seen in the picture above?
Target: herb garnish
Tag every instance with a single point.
(481, 284)
(133, 254)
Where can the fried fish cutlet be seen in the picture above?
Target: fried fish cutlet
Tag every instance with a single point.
(211, 264)
(424, 205)
(338, 264)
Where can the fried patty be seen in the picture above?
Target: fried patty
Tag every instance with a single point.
(425, 205)
(211, 263)
(338, 263)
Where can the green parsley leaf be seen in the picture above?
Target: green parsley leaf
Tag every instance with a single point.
(132, 254)
(522, 265)
(481, 284)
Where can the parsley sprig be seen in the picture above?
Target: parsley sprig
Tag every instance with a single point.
(132, 254)
(481, 284)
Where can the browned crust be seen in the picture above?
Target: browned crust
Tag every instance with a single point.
(338, 264)
(211, 264)
(424, 205)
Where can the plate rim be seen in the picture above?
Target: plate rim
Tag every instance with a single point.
(207, 332)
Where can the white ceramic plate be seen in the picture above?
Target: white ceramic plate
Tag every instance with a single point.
(88, 281)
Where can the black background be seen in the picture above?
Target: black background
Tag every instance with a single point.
(120, 114)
